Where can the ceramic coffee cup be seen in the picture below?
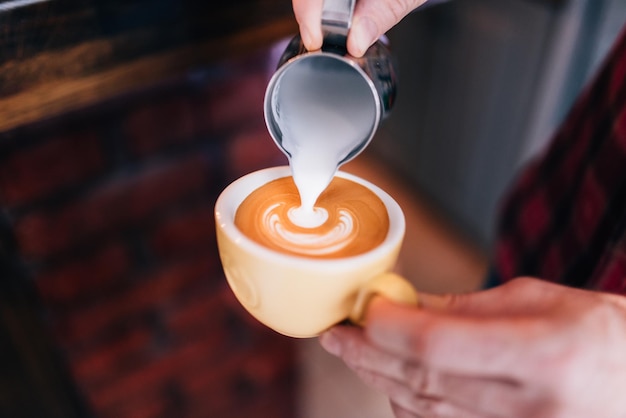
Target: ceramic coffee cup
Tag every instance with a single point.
(299, 296)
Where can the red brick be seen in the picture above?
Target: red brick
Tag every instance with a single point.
(120, 203)
(262, 366)
(185, 232)
(207, 313)
(147, 405)
(270, 361)
(202, 358)
(110, 358)
(253, 149)
(83, 277)
(232, 103)
(235, 306)
(200, 312)
(275, 402)
(212, 388)
(38, 171)
(145, 399)
(150, 294)
(216, 389)
(193, 354)
(160, 124)
(206, 370)
(277, 405)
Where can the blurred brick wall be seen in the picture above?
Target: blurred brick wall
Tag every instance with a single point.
(111, 209)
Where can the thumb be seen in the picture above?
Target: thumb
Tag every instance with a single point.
(522, 296)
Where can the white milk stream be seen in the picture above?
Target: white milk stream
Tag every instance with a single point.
(327, 109)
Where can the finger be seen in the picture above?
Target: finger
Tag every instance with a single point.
(431, 408)
(394, 338)
(349, 343)
(450, 395)
(497, 397)
(412, 404)
(389, 374)
(384, 372)
(523, 296)
(485, 346)
(373, 18)
(392, 374)
(400, 412)
(309, 17)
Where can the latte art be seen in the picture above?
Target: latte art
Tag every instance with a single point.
(307, 241)
(353, 219)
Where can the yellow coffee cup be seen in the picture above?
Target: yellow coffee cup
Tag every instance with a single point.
(299, 296)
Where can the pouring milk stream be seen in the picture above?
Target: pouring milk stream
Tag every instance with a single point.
(322, 108)
(329, 115)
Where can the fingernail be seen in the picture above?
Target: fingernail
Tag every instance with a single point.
(331, 343)
(364, 33)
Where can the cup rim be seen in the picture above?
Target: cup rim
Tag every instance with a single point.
(225, 214)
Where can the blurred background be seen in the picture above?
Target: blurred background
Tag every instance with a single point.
(121, 121)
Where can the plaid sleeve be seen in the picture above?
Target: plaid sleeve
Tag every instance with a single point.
(565, 217)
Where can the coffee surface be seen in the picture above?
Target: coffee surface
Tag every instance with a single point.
(356, 219)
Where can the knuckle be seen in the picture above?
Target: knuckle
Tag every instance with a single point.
(400, 8)
(425, 343)
(400, 412)
(436, 408)
(520, 283)
(423, 381)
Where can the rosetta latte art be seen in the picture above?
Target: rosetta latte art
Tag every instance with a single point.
(356, 220)
(308, 241)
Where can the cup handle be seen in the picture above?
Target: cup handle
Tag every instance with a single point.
(389, 285)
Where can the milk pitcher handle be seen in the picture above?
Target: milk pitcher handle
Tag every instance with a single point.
(336, 20)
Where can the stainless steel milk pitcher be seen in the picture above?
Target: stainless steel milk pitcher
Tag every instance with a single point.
(329, 93)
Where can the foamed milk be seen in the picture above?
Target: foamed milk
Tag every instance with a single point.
(357, 220)
(327, 108)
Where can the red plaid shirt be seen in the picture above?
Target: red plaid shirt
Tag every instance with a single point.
(565, 220)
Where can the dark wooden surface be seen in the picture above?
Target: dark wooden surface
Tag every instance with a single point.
(62, 55)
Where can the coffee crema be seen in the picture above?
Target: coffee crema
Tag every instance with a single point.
(356, 219)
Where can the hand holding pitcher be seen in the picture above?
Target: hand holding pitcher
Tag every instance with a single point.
(371, 20)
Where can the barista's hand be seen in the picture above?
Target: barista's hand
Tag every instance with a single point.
(525, 349)
(372, 18)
